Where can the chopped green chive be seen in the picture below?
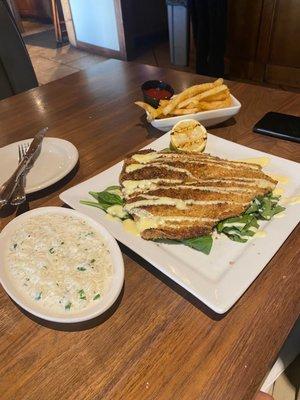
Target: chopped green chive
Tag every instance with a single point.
(15, 245)
(97, 296)
(89, 234)
(81, 268)
(38, 296)
(92, 261)
(81, 294)
(51, 251)
(68, 306)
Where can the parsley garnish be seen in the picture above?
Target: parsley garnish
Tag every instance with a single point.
(82, 295)
(38, 296)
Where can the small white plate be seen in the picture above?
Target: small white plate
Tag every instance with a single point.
(57, 158)
(220, 278)
(108, 298)
(207, 118)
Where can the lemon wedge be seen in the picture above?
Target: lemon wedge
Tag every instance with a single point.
(188, 135)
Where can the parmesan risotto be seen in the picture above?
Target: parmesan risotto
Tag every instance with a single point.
(60, 262)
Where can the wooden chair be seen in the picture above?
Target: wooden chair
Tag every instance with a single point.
(16, 71)
(16, 15)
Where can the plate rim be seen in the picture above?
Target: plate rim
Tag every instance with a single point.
(62, 174)
(112, 244)
(207, 115)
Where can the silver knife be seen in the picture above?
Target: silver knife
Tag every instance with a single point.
(9, 186)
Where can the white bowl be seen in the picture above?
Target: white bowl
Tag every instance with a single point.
(207, 118)
(108, 298)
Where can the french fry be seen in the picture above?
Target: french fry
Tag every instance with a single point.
(181, 111)
(151, 110)
(194, 104)
(161, 116)
(214, 105)
(163, 103)
(219, 97)
(218, 82)
(189, 93)
(159, 111)
(201, 96)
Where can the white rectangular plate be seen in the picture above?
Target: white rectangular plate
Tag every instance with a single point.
(220, 278)
(207, 118)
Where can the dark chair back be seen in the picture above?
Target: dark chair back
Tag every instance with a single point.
(16, 71)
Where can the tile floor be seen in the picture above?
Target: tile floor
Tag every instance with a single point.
(31, 27)
(51, 62)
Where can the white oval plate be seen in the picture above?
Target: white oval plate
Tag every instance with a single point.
(207, 118)
(106, 301)
(57, 158)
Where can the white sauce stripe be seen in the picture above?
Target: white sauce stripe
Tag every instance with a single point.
(203, 158)
(138, 186)
(162, 165)
(180, 204)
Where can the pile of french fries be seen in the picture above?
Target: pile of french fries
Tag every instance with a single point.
(203, 97)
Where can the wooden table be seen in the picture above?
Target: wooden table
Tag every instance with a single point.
(157, 342)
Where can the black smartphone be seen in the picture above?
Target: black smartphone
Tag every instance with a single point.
(282, 126)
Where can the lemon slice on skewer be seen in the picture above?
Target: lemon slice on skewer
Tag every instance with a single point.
(188, 135)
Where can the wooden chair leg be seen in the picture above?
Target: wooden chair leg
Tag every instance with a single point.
(56, 22)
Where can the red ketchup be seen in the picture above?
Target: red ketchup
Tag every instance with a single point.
(158, 93)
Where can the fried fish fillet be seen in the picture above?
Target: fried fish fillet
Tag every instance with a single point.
(182, 195)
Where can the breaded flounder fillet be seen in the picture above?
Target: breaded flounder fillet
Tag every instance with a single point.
(183, 195)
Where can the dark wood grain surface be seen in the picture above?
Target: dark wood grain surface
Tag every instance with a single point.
(157, 342)
(263, 39)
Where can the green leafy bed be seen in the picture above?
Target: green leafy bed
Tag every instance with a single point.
(239, 229)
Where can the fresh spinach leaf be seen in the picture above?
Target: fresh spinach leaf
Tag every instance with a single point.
(278, 209)
(94, 204)
(201, 243)
(262, 208)
(237, 238)
(107, 198)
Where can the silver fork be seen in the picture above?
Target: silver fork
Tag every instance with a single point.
(19, 195)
